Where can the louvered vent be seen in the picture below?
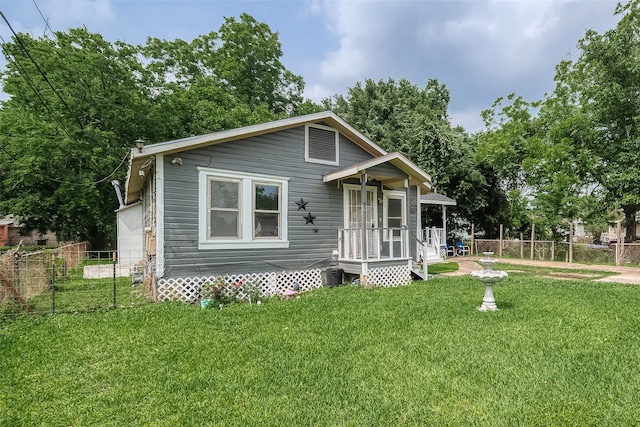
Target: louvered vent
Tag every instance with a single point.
(322, 145)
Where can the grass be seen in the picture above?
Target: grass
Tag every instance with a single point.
(541, 271)
(442, 267)
(557, 353)
(72, 293)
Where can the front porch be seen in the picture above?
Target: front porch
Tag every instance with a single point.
(384, 256)
(379, 256)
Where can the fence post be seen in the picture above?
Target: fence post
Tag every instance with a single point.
(571, 242)
(533, 236)
(53, 284)
(521, 246)
(618, 252)
(500, 249)
(114, 280)
(473, 226)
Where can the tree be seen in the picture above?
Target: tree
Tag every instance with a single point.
(604, 85)
(577, 150)
(63, 135)
(403, 117)
(77, 102)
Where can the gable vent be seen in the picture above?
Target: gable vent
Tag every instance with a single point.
(321, 145)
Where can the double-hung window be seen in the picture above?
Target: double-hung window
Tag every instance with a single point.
(241, 210)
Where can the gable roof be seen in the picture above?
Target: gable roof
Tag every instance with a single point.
(140, 159)
(415, 175)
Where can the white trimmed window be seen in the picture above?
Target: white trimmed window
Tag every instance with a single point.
(321, 144)
(238, 211)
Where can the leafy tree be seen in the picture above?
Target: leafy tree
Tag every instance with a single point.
(404, 117)
(77, 102)
(604, 86)
(62, 140)
(577, 150)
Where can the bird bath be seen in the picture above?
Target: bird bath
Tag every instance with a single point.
(488, 277)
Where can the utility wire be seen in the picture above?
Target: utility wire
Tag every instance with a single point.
(61, 51)
(100, 181)
(12, 57)
(46, 21)
(22, 71)
(44, 76)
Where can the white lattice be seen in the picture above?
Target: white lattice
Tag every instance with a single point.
(188, 289)
(396, 275)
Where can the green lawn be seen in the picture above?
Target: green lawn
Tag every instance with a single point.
(442, 267)
(557, 353)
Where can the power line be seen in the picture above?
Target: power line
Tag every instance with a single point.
(61, 51)
(100, 181)
(12, 58)
(44, 76)
(46, 21)
(25, 75)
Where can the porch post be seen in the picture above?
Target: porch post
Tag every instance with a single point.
(407, 200)
(444, 224)
(363, 219)
(363, 214)
(419, 247)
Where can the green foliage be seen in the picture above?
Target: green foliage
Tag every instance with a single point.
(62, 144)
(557, 353)
(403, 117)
(575, 153)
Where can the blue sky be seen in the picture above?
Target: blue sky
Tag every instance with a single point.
(479, 49)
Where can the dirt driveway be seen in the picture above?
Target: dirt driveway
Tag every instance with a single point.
(625, 274)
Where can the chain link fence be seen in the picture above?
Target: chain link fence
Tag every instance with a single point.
(69, 279)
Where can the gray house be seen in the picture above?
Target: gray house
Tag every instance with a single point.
(276, 204)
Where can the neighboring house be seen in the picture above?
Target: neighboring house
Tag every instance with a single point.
(275, 203)
(11, 234)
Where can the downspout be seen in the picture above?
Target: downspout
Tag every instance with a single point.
(116, 186)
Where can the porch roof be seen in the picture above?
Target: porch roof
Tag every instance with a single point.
(436, 199)
(415, 175)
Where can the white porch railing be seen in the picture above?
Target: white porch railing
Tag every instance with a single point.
(381, 243)
(434, 237)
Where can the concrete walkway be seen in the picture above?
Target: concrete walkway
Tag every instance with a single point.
(625, 274)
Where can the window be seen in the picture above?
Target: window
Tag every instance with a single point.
(266, 211)
(242, 210)
(224, 212)
(321, 144)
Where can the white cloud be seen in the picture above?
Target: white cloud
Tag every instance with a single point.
(479, 49)
(317, 92)
(74, 13)
(469, 119)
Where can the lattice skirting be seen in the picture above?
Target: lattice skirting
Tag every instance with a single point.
(396, 275)
(188, 289)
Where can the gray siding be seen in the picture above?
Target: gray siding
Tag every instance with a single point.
(279, 154)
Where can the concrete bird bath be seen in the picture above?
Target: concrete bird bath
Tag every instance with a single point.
(488, 277)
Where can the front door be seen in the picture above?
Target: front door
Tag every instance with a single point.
(353, 219)
(394, 219)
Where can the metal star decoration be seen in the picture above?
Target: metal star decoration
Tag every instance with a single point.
(309, 218)
(315, 230)
(302, 204)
